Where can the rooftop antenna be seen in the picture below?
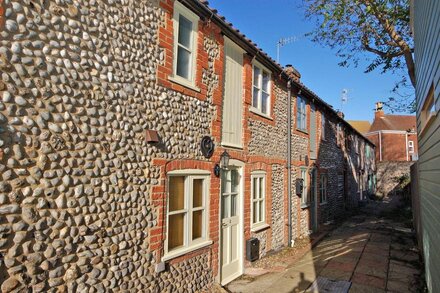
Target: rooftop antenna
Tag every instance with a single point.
(282, 42)
(344, 97)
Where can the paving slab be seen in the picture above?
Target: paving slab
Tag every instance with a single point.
(360, 252)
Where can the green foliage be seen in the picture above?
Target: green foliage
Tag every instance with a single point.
(357, 28)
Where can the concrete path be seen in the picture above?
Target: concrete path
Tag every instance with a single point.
(371, 252)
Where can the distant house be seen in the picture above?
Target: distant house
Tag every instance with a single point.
(395, 136)
(425, 17)
(363, 126)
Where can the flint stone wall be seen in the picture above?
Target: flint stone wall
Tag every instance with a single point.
(78, 82)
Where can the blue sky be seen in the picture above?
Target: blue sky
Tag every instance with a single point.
(266, 21)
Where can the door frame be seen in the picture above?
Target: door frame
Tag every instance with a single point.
(240, 165)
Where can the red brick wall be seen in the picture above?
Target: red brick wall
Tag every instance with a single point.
(394, 146)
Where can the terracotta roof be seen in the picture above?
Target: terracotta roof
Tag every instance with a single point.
(394, 122)
(363, 126)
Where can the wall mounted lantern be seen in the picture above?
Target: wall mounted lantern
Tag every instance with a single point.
(224, 163)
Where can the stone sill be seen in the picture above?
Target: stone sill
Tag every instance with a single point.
(303, 131)
(185, 250)
(260, 227)
(305, 205)
(259, 113)
(183, 82)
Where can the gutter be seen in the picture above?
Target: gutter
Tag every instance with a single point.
(289, 163)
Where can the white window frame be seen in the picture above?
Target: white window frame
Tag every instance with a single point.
(323, 124)
(188, 243)
(180, 9)
(304, 197)
(323, 188)
(301, 114)
(261, 199)
(411, 146)
(258, 109)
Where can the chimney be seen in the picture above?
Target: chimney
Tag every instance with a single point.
(292, 72)
(379, 110)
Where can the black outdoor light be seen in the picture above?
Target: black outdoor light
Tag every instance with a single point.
(224, 162)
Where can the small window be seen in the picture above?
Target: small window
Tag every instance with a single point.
(305, 196)
(411, 146)
(301, 114)
(261, 89)
(187, 211)
(323, 123)
(258, 206)
(323, 188)
(367, 151)
(428, 111)
(185, 40)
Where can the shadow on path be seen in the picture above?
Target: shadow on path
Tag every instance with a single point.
(373, 251)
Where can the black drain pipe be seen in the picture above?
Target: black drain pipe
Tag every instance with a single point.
(289, 162)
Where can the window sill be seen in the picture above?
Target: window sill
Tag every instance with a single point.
(305, 205)
(259, 113)
(260, 227)
(323, 203)
(185, 250)
(302, 130)
(231, 145)
(184, 82)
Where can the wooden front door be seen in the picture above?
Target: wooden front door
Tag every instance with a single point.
(231, 254)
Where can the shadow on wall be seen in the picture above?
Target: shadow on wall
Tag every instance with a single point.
(392, 177)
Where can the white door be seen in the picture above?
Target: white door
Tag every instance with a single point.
(230, 225)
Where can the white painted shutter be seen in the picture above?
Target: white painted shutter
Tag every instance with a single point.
(233, 96)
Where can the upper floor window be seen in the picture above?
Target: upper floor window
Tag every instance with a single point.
(187, 212)
(411, 146)
(301, 114)
(261, 89)
(185, 44)
(323, 127)
(258, 198)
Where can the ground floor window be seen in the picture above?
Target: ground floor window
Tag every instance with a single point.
(323, 188)
(187, 211)
(258, 207)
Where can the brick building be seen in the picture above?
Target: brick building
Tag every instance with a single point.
(143, 143)
(395, 136)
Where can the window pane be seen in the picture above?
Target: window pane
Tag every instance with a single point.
(197, 224)
(257, 76)
(255, 188)
(185, 28)
(197, 193)
(235, 178)
(265, 81)
(225, 207)
(255, 97)
(264, 102)
(233, 205)
(183, 62)
(255, 212)
(175, 231)
(177, 193)
(261, 191)
(261, 212)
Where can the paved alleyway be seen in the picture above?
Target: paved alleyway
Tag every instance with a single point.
(373, 251)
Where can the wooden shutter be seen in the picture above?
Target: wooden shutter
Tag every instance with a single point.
(232, 124)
